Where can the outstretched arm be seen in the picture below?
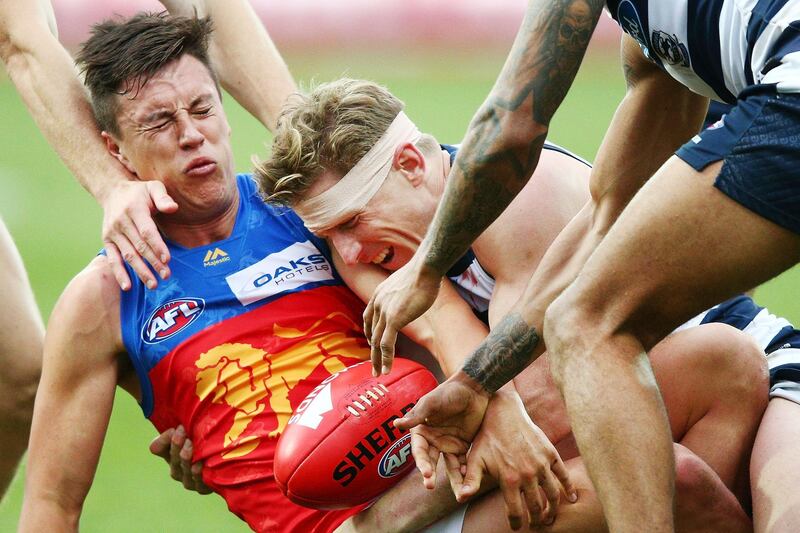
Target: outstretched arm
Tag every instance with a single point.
(655, 118)
(498, 156)
(450, 330)
(654, 104)
(73, 404)
(45, 77)
(248, 63)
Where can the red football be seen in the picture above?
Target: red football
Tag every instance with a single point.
(340, 448)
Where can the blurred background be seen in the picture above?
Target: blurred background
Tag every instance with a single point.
(440, 57)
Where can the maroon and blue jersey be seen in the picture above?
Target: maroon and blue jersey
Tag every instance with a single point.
(237, 337)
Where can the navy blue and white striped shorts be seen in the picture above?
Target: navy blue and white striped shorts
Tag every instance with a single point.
(759, 144)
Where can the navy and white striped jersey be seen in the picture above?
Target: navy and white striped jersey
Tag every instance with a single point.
(779, 339)
(716, 48)
(473, 283)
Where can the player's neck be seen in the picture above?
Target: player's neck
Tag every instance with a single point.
(438, 171)
(192, 229)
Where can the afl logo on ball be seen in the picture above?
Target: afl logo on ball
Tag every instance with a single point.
(170, 318)
(396, 457)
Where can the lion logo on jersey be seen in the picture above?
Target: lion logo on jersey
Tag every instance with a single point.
(249, 380)
(670, 49)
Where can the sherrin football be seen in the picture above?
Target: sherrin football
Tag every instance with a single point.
(340, 448)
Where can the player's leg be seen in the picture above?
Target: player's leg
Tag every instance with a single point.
(714, 383)
(679, 247)
(703, 504)
(713, 380)
(21, 336)
(775, 471)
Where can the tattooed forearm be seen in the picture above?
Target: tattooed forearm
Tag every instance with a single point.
(504, 140)
(503, 354)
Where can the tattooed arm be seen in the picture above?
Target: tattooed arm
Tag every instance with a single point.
(243, 55)
(498, 156)
(505, 138)
(654, 102)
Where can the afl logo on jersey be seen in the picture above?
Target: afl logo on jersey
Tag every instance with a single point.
(670, 49)
(171, 318)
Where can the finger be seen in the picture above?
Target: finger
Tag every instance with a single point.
(375, 339)
(117, 265)
(535, 503)
(160, 445)
(132, 257)
(148, 243)
(550, 486)
(562, 474)
(186, 465)
(415, 417)
(388, 340)
(197, 475)
(162, 201)
(176, 445)
(367, 316)
(516, 509)
(453, 465)
(472, 479)
(424, 455)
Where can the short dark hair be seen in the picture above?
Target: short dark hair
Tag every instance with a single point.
(121, 55)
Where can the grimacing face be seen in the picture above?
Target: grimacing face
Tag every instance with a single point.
(174, 130)
(388, 230)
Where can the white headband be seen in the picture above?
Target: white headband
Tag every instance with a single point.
(351, 193)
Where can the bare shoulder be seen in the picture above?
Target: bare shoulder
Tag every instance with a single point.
(516, 241)
(89, 308)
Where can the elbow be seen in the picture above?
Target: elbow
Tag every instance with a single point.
(14, 49)
(8, 48)
(22, 38)
(510, 129)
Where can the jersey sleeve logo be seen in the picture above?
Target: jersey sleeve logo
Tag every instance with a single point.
(670, 49)
(171, 318)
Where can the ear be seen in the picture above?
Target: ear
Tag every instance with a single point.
(410, 162)
(113, 148)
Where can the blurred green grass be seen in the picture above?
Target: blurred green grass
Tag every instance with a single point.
(56, 226)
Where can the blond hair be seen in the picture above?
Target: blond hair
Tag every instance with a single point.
(329, 129)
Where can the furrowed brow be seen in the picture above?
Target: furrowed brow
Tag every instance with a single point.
(156, 116)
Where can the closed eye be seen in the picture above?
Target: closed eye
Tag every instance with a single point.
(350, 223)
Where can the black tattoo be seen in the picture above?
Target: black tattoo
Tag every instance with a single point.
(503, 354)
(505, 138)
(631, 76)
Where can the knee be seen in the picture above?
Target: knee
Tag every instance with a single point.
(691, 474)
(565, 322)
(578, 323)
(737, 364)
(702, 501)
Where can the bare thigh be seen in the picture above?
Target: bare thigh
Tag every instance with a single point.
(714, 382)
(775, 470)
(584, 516)
(678, 248)
(21, 338)
(21, 328)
